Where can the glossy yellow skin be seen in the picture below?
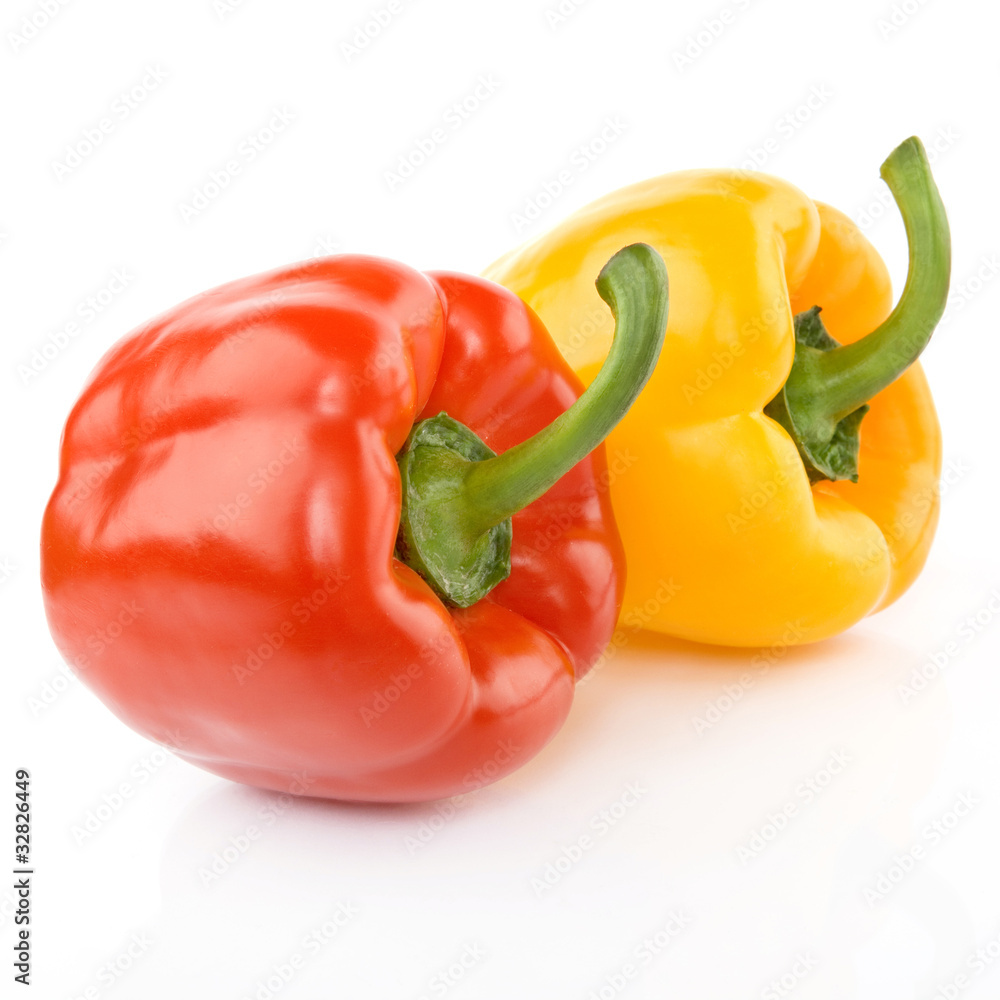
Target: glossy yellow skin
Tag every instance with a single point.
(726, 540)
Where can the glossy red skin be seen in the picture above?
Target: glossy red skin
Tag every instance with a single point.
(217, 557)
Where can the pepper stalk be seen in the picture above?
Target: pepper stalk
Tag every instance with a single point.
(826, 395)
(458, 496)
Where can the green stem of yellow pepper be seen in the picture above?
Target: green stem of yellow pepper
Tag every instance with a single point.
(825, 395)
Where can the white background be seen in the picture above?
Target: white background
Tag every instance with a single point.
(127, 911)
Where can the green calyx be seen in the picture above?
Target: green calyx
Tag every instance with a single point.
(458, 496)
(437, 537)
(825, 397)
(827, 454)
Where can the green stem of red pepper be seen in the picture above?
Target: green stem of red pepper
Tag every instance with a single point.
(825, 396)
(458, 497)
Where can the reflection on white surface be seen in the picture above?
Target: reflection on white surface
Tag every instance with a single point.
(635, 850)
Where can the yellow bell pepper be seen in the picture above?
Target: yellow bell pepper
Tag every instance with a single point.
(749, 514)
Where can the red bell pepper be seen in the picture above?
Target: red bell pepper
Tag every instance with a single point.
(222, 557)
